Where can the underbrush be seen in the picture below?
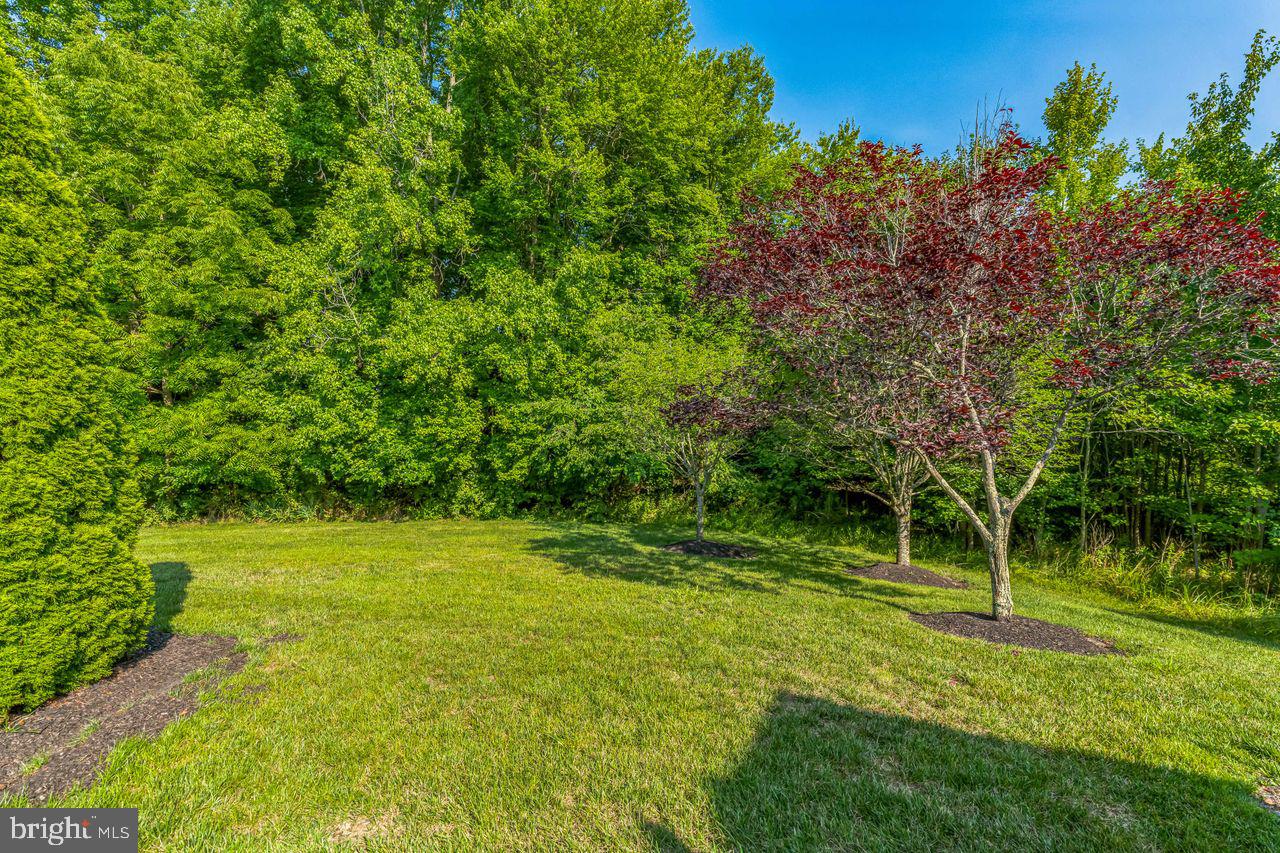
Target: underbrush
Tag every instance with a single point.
(1166, 580)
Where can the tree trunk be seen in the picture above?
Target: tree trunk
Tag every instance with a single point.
(904, 535)
(1260, 505)
(698, 489)
(1084, 491)
(996, 528)
(998, 564)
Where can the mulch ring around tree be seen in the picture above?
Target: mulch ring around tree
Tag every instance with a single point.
(707, 548)
(64, 743)
(1017, 631)
(898, 573)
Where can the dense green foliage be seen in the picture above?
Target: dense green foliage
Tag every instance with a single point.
(73, 599)
(382, 261)
(1076, 115)
(394, 259)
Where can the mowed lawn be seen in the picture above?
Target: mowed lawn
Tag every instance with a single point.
(520, 685)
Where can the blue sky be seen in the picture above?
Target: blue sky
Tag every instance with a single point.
(907, 71)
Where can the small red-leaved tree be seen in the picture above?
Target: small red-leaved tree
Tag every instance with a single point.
(702, 426)
(852, 458)
(938, 306)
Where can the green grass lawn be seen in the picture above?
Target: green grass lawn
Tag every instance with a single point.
(515, 685)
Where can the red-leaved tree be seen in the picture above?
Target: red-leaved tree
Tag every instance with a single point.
(701, 427)
(939, 307)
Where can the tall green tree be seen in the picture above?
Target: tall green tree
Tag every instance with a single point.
(1215, 149)
(374, 413)
(601, 154)
(185, 229)
(1198, 463)
(73, 599)
(1076, 116)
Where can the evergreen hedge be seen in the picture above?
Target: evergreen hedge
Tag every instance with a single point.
(73, 600)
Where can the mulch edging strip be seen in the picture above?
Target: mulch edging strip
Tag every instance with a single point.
(64, 743)
(707, 548)
(898, 573)
(1016, 631)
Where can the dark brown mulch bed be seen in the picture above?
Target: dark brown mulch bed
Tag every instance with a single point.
(898, 573)
(64, 743)
(1017, 631)
(707, 548)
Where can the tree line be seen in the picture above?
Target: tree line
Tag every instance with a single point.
(381, 257)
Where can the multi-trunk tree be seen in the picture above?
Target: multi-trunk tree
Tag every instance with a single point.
(951, 314)
(826, 421)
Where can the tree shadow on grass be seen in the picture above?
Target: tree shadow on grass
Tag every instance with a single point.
(636, 555)
(823, 776)
(171, 581)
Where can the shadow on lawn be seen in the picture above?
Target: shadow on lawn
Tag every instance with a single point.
(638, 556)
(820, 775)
(171, 581)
